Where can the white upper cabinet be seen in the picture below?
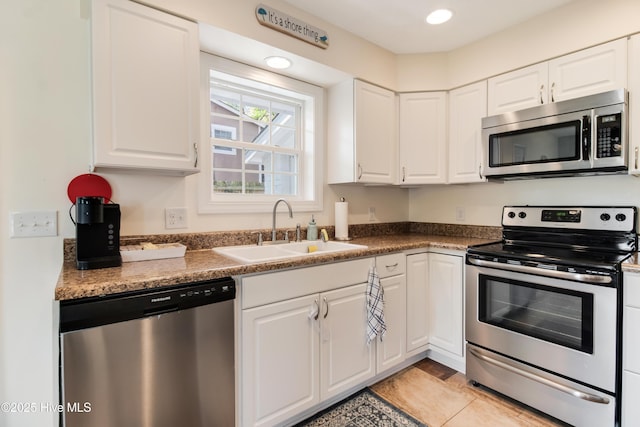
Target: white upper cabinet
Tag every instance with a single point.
(363, 142)
(145, 89)
(523, 88)
(423, 138)
(467, 107)
(589, 71)
(634, 104)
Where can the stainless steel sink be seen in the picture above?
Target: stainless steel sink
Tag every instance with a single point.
(255, 254)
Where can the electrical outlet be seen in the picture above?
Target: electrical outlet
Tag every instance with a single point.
(34, 224)
(460, 214)
(175, 218)
(372, 213)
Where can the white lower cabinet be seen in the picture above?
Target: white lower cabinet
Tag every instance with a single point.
(280, 361)
(346, 358)
(631, 350)
(392, 348)
(417, 297)
(446, 309)
(303, 336)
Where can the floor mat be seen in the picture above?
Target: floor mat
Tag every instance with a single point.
(362, 409)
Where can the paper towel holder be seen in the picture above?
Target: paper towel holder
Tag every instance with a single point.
(343, 238)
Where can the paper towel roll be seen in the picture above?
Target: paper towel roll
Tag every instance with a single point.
(342, 220)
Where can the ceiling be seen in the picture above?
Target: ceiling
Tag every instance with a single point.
(399, 26)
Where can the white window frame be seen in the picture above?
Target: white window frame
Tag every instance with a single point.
(311, 176)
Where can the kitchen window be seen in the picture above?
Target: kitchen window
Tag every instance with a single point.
(263, 141)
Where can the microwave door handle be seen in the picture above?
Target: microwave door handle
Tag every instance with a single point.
(586, 137)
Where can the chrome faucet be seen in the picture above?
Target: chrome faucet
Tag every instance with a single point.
(273, 228)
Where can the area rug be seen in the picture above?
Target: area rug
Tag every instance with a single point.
(363, 409)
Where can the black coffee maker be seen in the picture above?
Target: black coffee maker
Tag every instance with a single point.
(97, 233)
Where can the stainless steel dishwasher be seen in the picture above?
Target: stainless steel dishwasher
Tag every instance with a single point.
(149, 359)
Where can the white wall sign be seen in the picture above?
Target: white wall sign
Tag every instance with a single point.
(284, 23)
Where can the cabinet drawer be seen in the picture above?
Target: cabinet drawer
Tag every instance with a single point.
(283, 285)
(391, 265)
(632, 289)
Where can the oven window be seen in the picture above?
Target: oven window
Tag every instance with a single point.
(560, 316)
(550, 143)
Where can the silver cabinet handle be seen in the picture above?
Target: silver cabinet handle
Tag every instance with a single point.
(195, 149)
(391, 267)
(545, 381)
(636, 160)
(404, 173)
(480, 170)
(359, 171)
(326, 304)
(586, 278)
(553, 86)
(541, 92)
(315, 301)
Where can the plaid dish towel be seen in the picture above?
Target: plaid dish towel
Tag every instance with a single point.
(375, 307)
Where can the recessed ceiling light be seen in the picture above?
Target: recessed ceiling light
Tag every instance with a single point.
(278, 62)
(439, 16)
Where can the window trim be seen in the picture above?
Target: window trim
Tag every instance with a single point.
(311, 166)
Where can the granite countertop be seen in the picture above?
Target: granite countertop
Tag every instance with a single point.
(205, 264)
(632, 264)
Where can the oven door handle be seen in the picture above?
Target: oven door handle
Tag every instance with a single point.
(545, 381)
(579, 277)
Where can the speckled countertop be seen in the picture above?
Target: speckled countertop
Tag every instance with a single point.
(205, 264)
(632, 264)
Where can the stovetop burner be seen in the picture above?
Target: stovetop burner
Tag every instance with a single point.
(552, 255)
(564, 238)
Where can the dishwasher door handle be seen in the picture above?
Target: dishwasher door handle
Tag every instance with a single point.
(156, 311)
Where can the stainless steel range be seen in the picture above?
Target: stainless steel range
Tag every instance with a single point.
(543, 309)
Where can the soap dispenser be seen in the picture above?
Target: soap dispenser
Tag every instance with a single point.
(312, 230)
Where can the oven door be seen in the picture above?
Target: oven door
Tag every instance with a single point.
(561, 326)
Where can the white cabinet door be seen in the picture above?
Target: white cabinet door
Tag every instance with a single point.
(594, 70)
(467, 107)
(446, 302)
(375, 134)
(631, 350)
(346, 359)
(280, 361)
(362, 134)
(417, 303)
(145, 89)
(634, 105)
(423, 138)
(523, 88)
(391, 349)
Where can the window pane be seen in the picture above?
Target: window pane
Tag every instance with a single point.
(284, 184)
(224, 102)
(254, 183)
(227, 181)
(284, 114)
(226, 158)
(256, 108)
(283, 137)
(285, 163)
(257, 161)
(255, 132)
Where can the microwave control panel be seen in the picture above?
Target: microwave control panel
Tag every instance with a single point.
(609, 135)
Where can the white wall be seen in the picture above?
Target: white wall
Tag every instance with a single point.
(45, 132)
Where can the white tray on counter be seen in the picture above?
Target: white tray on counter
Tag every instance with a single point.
(146, 251)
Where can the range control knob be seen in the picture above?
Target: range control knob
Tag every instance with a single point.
(621, 217)
(522, 214)
(605, 217)
(511, 214)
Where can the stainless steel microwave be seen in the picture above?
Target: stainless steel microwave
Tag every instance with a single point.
(582, 136)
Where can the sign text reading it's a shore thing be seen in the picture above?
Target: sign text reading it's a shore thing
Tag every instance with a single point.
(284, 23)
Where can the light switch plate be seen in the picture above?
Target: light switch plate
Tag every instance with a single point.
(34, 224)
